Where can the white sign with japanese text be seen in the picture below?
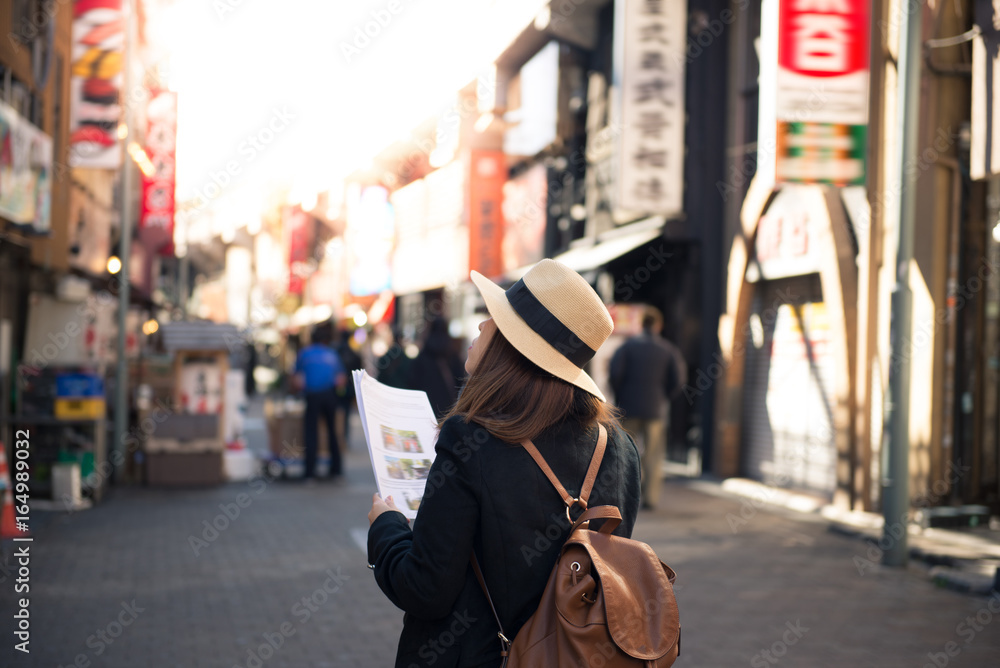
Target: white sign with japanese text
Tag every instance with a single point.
(651, 159)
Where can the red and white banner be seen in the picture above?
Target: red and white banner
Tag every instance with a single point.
(156, 220)
(298, 229)
(95, 110)
(814, 90)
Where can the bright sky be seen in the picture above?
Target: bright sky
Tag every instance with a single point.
(247, 68)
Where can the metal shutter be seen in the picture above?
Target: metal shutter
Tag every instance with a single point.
(788, 398)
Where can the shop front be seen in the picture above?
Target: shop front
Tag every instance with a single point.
(790, 348)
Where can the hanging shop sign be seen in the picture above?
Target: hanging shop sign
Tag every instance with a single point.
(790, 233)
(298, 227)
(95, 109)
(814, 91)
(157, 217)
(487, 176)
(25, 172)
(651, 159)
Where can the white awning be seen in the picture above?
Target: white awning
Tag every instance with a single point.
(611, 245)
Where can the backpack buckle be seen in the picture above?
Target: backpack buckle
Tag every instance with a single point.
(576, 502)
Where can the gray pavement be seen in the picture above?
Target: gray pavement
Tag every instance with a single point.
(127, 584)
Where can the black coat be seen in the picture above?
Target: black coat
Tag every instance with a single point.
(490, 496)
(647, 371)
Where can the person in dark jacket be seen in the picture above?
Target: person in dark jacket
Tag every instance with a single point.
(345, 395)
(485, 494)
(393, 368)
(437, 370)
(646, 373)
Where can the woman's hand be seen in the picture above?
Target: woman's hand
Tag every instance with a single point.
(379, 506)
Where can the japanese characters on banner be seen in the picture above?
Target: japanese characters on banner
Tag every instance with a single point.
(487, 178)
(25, 171)
(95, 111)
(157, 216)
(651, 163)
(820, 92)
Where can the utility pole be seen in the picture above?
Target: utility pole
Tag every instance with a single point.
(896, 470)
(121, 370)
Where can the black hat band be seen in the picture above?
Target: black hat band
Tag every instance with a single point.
(547, 326)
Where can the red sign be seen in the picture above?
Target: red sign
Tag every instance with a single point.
(489, 172)
(823, 38)
(298, 226)
(156, 220)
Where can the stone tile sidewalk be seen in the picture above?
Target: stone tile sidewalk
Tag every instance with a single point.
(272, 574)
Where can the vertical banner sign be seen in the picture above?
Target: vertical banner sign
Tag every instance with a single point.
(821, 86)
(95, 111)
(298, 230)
(157, 216)
(489, 172)
(651, 162)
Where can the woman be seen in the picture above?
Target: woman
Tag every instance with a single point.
(484, 493)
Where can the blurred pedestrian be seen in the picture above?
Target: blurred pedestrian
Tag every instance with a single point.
(485, 495)
(346, 394)
(321, 375)
(437, 369)
(646, 373)
(394, 366)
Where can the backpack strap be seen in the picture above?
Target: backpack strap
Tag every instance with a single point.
(588, 481)
(504, 642)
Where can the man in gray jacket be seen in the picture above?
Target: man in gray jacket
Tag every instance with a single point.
(647, 371)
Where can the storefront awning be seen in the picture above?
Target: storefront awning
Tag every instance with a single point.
(611, 245)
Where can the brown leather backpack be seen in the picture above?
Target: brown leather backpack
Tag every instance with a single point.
(609, 601)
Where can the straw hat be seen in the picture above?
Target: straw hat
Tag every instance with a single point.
(553, 317)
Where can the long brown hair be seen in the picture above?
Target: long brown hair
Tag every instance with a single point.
(514, 399)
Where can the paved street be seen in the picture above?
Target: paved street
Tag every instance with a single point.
(121, 585)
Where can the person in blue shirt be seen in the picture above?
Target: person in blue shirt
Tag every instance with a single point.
(320, 373)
